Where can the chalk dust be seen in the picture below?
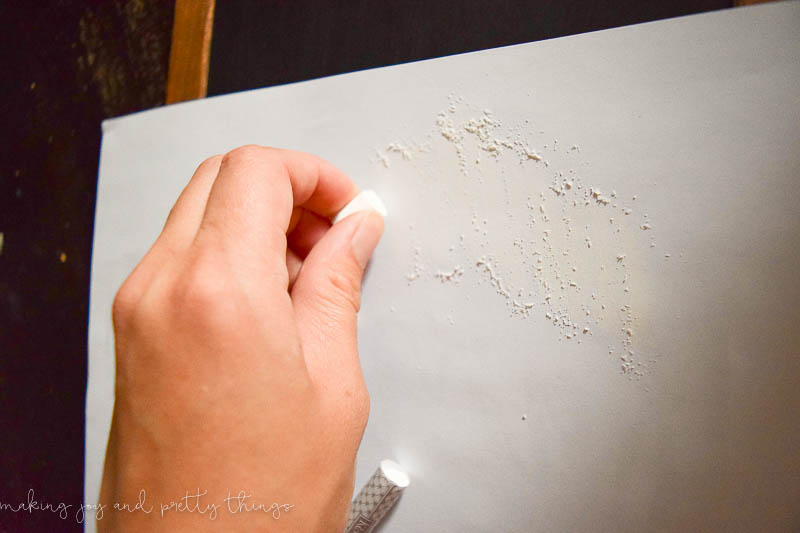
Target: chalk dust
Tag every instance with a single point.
(548, 241)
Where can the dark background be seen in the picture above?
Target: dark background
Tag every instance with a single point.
(67, 65)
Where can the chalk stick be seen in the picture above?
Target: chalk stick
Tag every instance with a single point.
(365, 200)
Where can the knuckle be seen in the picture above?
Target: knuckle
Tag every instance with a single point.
(349, 406)
(203, 296)
(245, 154)
(125, 303)
(361, 405)
(356, 406)
(345, 287)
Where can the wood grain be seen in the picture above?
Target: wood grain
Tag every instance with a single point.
(191, 46)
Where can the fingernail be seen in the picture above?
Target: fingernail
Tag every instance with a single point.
(366, 236)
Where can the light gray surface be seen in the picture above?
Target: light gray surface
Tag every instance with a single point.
(698, 117)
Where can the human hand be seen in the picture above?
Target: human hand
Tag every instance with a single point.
(237, 362)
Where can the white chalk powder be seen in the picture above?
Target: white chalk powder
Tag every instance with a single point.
(563, 256)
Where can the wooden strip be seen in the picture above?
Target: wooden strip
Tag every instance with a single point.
(750, 2)
(191, 46)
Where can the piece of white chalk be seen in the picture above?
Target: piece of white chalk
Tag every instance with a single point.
(376, 497)
(394, 473)
(365, 200)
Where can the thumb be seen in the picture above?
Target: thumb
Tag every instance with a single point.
(327, 295)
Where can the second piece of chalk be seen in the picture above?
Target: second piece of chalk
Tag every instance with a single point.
(375, 499)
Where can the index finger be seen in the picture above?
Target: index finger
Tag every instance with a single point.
(250, 204)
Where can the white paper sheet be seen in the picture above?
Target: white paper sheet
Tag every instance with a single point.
(504, 421)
